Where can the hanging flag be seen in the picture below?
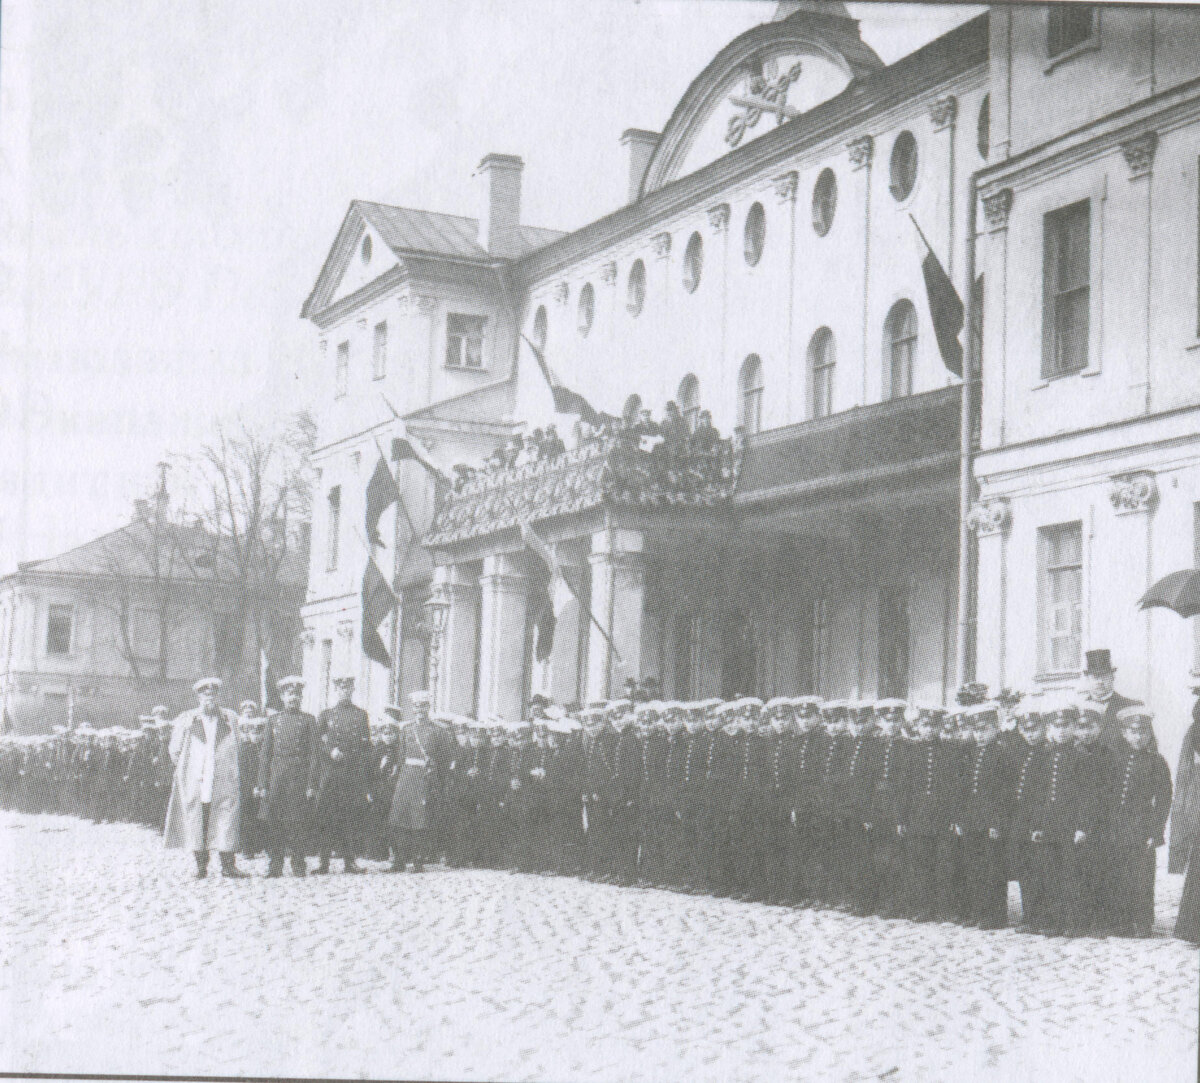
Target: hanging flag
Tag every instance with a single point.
(267, 689)
(382, 493)
(945, 307)
(378, 602)
(567, 401)
(403, 448)
(547, 616)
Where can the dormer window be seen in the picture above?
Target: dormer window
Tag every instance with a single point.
(464, 341)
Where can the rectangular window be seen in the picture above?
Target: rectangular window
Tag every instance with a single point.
(464, 341)
(379, 354)
(1066, 290)
(326, 670)
(342, 376)
(59, 624)
(1070, 25)
(335, 528)
(1060, 559)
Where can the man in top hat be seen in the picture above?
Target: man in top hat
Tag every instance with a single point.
(421, 762)
(205, 807)
(339, 778)
(284, 766)
(1099, 686)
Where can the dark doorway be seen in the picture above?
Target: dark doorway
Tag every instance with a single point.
(738, 674)
(893, 642)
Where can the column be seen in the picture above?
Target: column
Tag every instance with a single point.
(862, 154)
(558, 676)
(993, 263)
(618, 599)
(459, 639)
(990, 520)
(1122, 558)
(502, 636)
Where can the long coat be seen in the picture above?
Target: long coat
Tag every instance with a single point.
(284, 763)
(340, 786)
(185, 814)
(1185, 815)
(420, 753)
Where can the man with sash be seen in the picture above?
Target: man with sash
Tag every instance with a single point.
(419, 754)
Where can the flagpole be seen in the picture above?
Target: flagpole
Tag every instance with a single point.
(963, 641)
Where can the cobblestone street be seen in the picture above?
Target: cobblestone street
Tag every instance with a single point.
(114, 960)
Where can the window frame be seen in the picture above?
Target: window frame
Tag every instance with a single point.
(824, 202)
(341, 374)
(465, 338)
(50, 642)
(750, 398)
(821, 347)
(1054, 227)
(1056, 26)
(904, 137)
(1047, 631)
(586, 309)
(379, 345)
(689, 403)
(693, 262)
(635, 289)
(754, 234)
(893, 341)
(333, 527)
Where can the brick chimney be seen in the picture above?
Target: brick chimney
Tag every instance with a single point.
(642, 145)
(500, 215)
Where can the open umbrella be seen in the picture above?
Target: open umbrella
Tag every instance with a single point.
(1179, 591)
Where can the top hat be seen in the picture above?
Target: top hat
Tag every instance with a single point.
(1099, 663)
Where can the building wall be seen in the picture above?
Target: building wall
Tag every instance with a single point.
(847, 280)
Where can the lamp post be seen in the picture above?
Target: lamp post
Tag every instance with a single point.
(437, 608)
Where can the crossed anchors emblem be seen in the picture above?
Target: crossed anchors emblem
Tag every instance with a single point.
(766, 92)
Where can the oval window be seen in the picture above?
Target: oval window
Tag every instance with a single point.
(635, 289)
(755, 234)
(693, 262)
(587, 308)
(365, 250)
(824, 202)
(903, 166)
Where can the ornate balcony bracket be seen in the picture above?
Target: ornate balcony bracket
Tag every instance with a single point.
(1133, 493)
(990, 517)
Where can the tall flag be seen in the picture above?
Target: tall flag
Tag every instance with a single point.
(945, 306)
(403, 448)
(382, 493)
(567, 401)
(378, 602)
(547, 615)
(267, 689)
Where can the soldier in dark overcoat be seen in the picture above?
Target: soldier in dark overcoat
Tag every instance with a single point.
(656, 805)
(382, 783)
(600, 753)
(284, 766)
(886, 751)
(750, 814)
(1137, 818)
(422, 759)
(693, 798)
(984, 818)
(565, 781)
(339, 777)
(627, 784)
(723, 774)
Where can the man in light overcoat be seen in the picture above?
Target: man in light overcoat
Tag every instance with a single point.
(421, 755)
(204, 812)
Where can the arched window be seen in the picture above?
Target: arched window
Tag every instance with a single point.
(755, 234)
(750, 383)
(899, 349)
(821, 361)
(541, 327)
(903, 166)
(693, 262)
(983, 128)
(587, 308)
(824, 202)
(635, 289)
(688, 398)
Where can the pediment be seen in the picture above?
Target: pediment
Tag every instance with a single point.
(365, 259)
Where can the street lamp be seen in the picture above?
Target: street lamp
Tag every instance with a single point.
(437, 609)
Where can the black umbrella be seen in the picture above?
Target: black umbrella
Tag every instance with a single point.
(1179, 591)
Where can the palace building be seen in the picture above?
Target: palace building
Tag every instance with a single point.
(767, 268)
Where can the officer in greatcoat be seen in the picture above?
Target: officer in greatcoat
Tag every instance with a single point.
(204, 812)
(340, 777)
(284, 762)
(420, 755)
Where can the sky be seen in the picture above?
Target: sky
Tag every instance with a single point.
(172, 175)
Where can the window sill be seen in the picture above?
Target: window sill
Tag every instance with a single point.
(1193, 346)
(1057, 678)
(381, 376)
(1046, 381)
(465, 368)
(1091, 45)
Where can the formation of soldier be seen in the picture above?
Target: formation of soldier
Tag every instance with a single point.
(886, 808)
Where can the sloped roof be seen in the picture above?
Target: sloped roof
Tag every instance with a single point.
(186, 553)
(481, 404)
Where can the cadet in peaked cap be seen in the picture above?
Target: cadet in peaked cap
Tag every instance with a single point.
(207, 684)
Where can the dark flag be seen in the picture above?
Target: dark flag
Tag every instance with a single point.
(567, 401)
(378, 602)
(402, 449)
(268, 690)
(945, 306)
(382, 493)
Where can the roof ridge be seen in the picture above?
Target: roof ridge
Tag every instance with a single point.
(415, 210)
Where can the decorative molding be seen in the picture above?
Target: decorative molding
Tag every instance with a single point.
(861, 151)
(1133, 493)
(308, 639)
(1139, 154)
(562, 292)
(427, 306)
(990, 517)
(996, 208)
(608, 272)
(662, 244)
(345, 629)
(943, 112)
(718, 217)
(786, 185)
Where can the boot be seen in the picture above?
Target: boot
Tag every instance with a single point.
(201, 864)
(299, 865)
(275, 866)
(229, 867)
